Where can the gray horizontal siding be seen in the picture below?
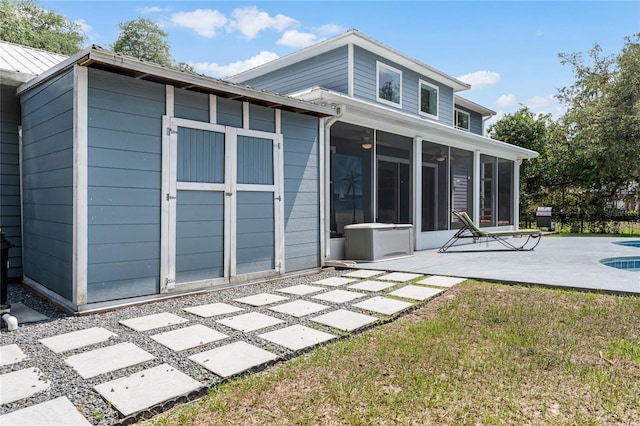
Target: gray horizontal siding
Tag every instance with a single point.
(10, 177)
(228, 112)
(328, 70)
(47, 120)
(191, 105)
(255, 232)
(124, 186)
(301, 192)
(365, 86)
(199, 235)
(262, 118)
(475, 120)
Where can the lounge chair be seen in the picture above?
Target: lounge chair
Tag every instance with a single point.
(470, 230)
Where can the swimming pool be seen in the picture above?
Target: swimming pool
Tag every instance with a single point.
(627, 263)
(634, 243)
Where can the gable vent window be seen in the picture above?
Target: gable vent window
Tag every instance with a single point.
(462, 120)
(389, 84)
(428, 99)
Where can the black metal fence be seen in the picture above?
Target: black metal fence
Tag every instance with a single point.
(619, 223)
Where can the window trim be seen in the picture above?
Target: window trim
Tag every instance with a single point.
(455, 119)
(420, 111)
(379, 66)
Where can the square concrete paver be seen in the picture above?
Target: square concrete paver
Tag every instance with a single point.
(297, 337)
(233, 358)
(343, 319)
(339, 296)
(188, 337)
(55, 412)
(150, 322)
(401, 277)
(21, 384)
(261, 299)
(335, 281)
(111, 358)
(250, 321)
(301, 290)
(212, 309)
(383, 305)
(415, 292)
(373, 286)
(147, 388)
(11, 354)
(299, 308)
(363, 273)
(438, 281)
(77, 339)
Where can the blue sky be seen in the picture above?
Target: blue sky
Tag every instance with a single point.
(507, 50)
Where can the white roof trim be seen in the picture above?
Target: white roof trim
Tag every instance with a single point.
(470, 105)
(97, 55)
(388, 119)
(356, 38)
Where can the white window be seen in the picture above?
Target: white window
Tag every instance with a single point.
(428, 99)
(389, 85)
(462, 120)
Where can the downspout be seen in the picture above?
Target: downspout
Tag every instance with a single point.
(325, 187)
(484, 121)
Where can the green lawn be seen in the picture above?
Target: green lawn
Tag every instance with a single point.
(479, 354)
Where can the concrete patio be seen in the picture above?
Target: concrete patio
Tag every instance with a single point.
(571, 262)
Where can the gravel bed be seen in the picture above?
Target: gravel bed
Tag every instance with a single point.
(66, 382)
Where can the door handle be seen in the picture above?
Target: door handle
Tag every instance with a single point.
(170, 197)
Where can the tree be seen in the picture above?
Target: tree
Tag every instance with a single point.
(144, 39)
(539, 133)
(24, 22)
(602, 124)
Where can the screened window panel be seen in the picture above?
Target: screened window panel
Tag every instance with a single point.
(200, 156)
(255, 161)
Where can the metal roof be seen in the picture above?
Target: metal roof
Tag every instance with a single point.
(97, 57)
(31, 62)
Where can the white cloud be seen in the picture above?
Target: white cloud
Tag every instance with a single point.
(295, 38)
(540, 102)
(329, 29)
(480, 79)
(213, 69)
(506, 100)
(153, 9)
(84, 27)
(249, 21)
(205, 22)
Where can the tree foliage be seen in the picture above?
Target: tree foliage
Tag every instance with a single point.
(143, 39)
(24, 22)
(602, 124)
(590, 156)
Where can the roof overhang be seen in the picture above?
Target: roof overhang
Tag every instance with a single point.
(466, 103)
(96, 57)
(14, 78)
(364, 113)
(357, 39)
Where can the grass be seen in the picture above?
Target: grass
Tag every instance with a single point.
(480, 354)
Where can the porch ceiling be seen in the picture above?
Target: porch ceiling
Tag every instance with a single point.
(365, 113)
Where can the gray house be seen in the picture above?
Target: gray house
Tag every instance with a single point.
(405, 148)
(140, 180)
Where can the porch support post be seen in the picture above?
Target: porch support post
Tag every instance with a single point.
(476, 186)
(516, 194)
(323, 149)
(417, 192)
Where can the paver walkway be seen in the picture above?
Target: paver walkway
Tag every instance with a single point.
(351, 302)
